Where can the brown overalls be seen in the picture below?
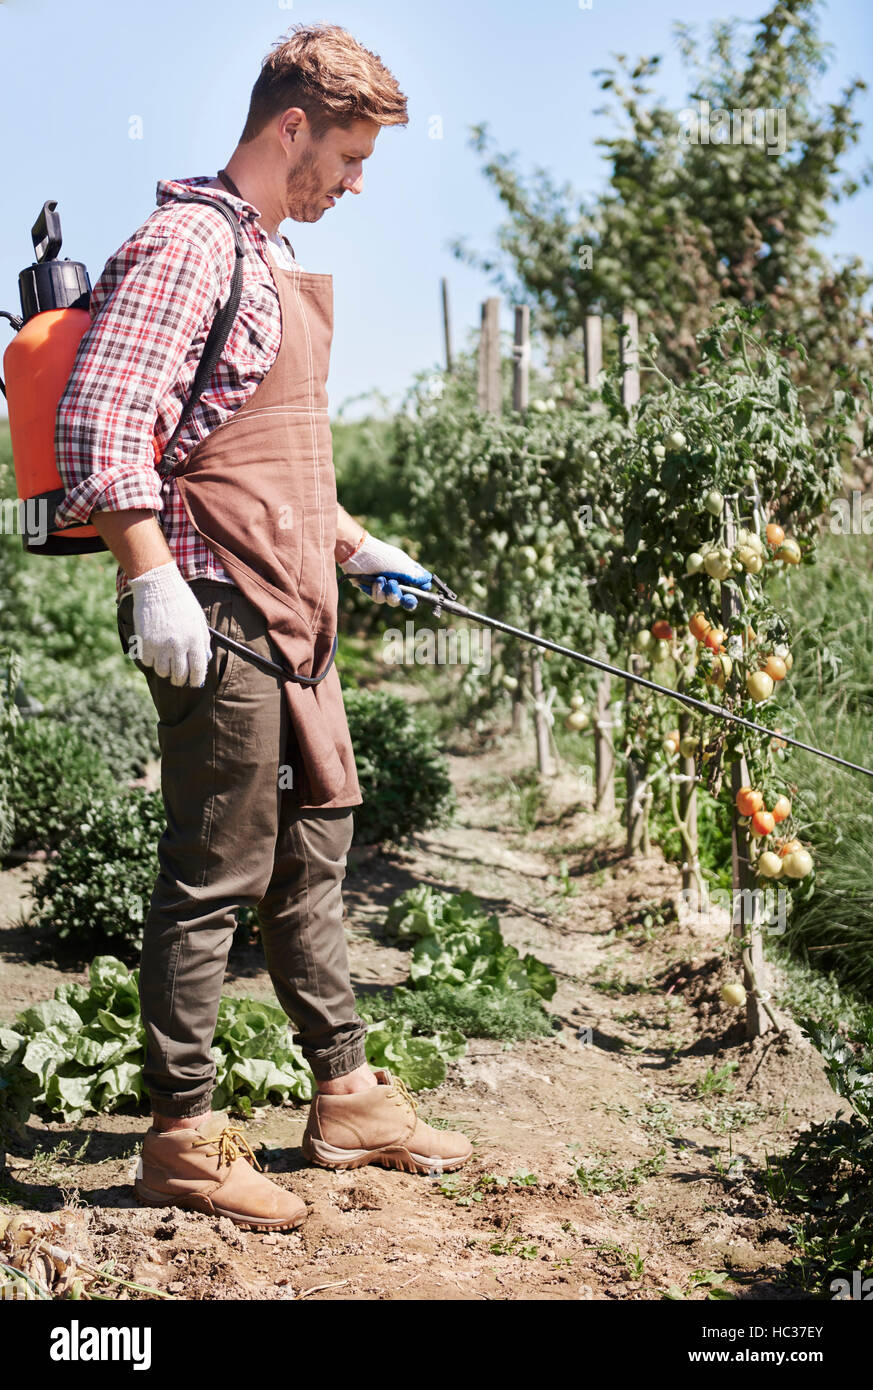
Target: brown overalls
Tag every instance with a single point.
(260, 489)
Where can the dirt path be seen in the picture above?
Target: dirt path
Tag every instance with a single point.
(612, 1160)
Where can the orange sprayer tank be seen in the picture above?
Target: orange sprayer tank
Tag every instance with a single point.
(36, 366)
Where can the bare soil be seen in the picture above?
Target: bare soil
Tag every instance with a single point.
(617, 1159)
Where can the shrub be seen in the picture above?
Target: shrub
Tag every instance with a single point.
(118, 719)
(49, 774)
(99, 886)
(403, 774)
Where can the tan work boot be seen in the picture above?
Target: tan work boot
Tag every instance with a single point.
(379, 1125)
(210, 1169)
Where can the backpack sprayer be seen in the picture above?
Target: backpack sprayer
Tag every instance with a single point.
(55, 296)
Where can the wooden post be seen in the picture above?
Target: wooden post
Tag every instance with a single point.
(593, 348)
(604, 728)
(447, 338)
(521, 358)
(630, 356)
(545, 761)
(746, 914)
(688, 811)
(637, 773)
(635, 779)
(604, 752)
(489, 398)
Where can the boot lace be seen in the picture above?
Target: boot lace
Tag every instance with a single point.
(232, 1144)
(403, 1093)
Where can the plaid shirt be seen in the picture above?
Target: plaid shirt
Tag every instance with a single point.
(151, 311)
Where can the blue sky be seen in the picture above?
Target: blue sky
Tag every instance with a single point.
(75, 74)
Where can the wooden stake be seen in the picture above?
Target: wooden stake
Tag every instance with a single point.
(489, 397)
(746, 914)
(447, 338)
(521, 358)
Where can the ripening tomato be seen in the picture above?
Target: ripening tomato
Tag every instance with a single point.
(699, 626)
(775, 535)
(776, 668)
(671, 744)
(789, 551)
(662, 630)
(798, 864)
(789, 847)
(763, 823)
(781, 809)
(748, 801)
(778, 742)
(715, 639)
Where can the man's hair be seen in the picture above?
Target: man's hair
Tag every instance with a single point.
(330, 76)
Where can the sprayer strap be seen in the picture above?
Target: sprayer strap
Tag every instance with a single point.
(218, 333)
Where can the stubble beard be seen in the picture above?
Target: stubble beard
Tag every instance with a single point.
(305, 199)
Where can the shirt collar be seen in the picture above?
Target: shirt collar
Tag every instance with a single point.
(169, 189)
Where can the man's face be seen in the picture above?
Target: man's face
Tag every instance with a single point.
(325, 169)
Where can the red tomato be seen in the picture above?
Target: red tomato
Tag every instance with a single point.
(749, 801)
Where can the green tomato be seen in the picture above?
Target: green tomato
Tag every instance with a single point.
(734, 994)
(577, 701)
(769, 864)
(714, 502)
(509, 683)
(688, 745)
(658, 451)
(694, 563)
(718, 563)
(529, 574)
(661, 651)
(576, 720)
(528, 554)
(676, 440)
(643, 640)
(547, 563)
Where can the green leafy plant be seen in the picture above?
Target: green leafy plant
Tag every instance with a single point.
(98, 887)
(50, 774)
(826, 1179)
(403, 774)
(118, 719)
(457, 943)
(475, 1010)
(82, 1051)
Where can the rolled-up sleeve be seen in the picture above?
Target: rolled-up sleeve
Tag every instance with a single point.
(152, 301)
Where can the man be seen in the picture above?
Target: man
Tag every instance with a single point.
(241, 532)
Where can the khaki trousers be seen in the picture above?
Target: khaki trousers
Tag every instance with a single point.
(236, 837)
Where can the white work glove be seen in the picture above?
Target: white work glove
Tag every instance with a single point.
(392, 565)
(170, 625)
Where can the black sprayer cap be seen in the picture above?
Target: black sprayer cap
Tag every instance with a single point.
(50, 283)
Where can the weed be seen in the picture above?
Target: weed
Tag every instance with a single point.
(717, 1081)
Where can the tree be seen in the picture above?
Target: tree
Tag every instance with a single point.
(690, 217)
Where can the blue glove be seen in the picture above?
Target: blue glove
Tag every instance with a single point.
(393, 567)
